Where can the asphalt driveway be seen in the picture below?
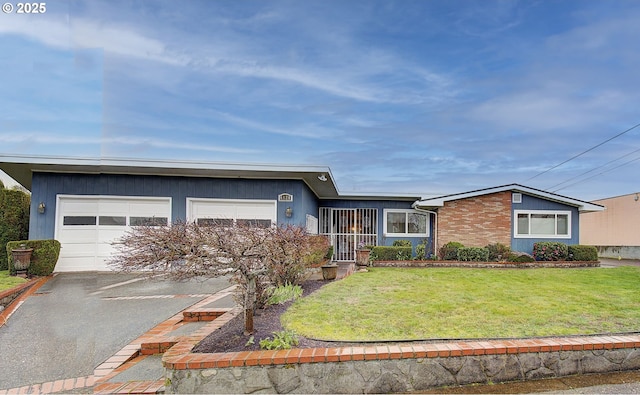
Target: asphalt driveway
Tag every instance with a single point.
(76, 321)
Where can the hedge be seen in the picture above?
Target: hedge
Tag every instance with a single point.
(14, 219)
(583, 253)
(449, 251)
(473, 254)
(386, 253)
(550, 251)
(43, 259)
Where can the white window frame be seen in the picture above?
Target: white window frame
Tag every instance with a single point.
(541, 236)
(405, 233)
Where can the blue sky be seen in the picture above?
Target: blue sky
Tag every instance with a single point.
(427, 97)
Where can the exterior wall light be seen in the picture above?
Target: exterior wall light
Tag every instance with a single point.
(288, 212)
(41, 207)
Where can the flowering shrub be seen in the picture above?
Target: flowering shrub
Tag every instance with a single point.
(550, 251)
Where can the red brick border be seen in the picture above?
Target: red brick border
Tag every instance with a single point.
(180, 357)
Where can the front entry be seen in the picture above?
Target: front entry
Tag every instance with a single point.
(348, 228)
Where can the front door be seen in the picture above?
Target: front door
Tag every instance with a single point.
(348, 228)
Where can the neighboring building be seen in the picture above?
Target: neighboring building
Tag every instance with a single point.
(86, 204)
(615, 231)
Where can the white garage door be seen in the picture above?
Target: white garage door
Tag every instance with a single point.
(260, 213)
(86, 227)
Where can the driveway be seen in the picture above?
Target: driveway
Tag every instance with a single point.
(76, 321)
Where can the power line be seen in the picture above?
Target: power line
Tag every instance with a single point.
(594, 169)
(584, 152)
(595, 175)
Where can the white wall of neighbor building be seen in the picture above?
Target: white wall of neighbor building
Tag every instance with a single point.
(6, 180)
(616, 230)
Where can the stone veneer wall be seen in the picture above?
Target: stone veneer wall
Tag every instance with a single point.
(476, 221)
(394, 368)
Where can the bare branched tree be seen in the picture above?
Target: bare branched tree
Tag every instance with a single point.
(249, 254)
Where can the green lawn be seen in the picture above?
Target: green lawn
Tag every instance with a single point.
(7, 281)
(452, 303)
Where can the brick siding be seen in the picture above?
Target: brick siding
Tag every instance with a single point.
(476, 221)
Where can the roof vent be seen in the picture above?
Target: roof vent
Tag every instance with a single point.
(516, 197)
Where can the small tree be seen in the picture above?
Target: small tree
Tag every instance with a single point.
(251, 255)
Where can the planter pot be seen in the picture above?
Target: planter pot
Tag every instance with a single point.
(329, 272)
(21, 258)
(362, 257)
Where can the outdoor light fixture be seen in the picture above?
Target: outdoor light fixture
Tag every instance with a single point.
(288, 212)
(41, 208)
(322, 177)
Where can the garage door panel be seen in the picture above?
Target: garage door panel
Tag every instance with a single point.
(239, 210)
(75, 236)
(87, 247)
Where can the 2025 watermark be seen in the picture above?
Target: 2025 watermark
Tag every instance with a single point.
(24, 8)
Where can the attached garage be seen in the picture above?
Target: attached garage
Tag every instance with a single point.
(262, 213)
(87, 225)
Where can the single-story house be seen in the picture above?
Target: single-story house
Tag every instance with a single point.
(614, 231)
(88, 203)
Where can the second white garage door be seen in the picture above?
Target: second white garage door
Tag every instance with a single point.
(261, 213)
(86, 227)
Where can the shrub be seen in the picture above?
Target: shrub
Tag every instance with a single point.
(43, 259)
(473, 254)
(449, 251)
(550, 251)
(284, 293)
(318, 250)
(421, 251)
(281, 340)
(498, 252)
(402, 243)
(14, 220)
(387, 253)
(520, 257)
(583, 253)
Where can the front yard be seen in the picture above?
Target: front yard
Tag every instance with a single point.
(458, 303)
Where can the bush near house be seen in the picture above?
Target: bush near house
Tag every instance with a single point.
(14, 219)
(402, 243)
(421, 251)
(550, 251)
(390, 253)
(43, 259)
(583, 253)
(449, 251)
(473, 254)
(498, 252)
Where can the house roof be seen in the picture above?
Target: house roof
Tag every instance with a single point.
(439, 201)
(318, 178)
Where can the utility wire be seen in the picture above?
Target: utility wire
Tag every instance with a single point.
(594, 169)
(584, 152)
(595, 175)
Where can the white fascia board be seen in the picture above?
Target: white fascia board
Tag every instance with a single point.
(440, 201)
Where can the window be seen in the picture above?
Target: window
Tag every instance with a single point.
(148, 221)
(254, 223)
(406, 223)
(75, 220)
(545, 224)
(112, 220)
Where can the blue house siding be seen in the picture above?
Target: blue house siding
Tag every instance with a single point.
(535, 203)
(381, 205)
(46, 186)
